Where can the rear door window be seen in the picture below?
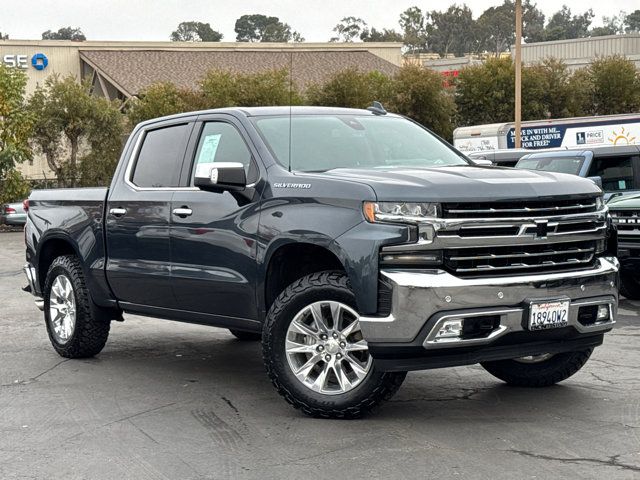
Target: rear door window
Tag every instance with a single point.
(616, 173)
(160, 159)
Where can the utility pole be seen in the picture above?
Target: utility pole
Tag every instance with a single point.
(518, 62)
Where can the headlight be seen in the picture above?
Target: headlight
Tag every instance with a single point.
(400, 212)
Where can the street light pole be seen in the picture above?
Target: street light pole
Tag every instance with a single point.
(518, 62)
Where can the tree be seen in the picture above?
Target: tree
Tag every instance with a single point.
(65, 33)
(615, 85)
(79, 134)
(632, 22)
(496, 25)
(349, 29)
(452, 31)
(260, 28)
(162, 99)
(384, 35)
(420, 94)
(563, 25)
(224, 89)
(4, 36)
(351, 88)
(557, 89)
(610, 26)
(13, 187)
(15, 126)
(413, 25)
(195, 32)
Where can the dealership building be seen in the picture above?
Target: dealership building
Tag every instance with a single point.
(122, 70)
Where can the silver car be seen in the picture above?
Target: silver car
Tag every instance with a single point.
(13, 214)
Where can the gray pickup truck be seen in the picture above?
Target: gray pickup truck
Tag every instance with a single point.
(355, 244)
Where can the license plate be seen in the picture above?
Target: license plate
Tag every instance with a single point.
(547, 315)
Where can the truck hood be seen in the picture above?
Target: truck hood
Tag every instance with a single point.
(466, 183)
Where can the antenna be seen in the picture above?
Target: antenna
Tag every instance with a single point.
(290, 102)
(377, 108)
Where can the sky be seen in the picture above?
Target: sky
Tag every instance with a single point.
(156, 19)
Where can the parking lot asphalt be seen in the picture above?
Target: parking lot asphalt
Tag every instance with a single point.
(166, 400)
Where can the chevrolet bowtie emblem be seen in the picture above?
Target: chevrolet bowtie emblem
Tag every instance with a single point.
(542, 228)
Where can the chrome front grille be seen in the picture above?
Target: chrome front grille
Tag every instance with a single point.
(525, 208)
(626, 221)
(505, 260)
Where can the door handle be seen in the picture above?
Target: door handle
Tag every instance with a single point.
(182, 212)
(118, 212)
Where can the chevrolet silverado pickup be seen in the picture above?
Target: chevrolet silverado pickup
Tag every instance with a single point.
(355, 244)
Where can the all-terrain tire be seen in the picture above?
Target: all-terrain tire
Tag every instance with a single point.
(246, 336)
(555, 369)
(91, 324)
(373, 389)
(630, 287)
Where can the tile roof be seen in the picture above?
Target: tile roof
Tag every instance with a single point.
(133, 70)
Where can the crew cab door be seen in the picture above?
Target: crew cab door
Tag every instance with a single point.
(138, 217)
(213, 234)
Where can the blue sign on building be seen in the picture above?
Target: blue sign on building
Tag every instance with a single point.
(39, 61)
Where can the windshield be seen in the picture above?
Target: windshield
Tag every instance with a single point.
(324, 142)
(570, 165)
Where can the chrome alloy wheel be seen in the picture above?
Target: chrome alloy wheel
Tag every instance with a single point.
(325, 348)
(62, 309)
(534, 358)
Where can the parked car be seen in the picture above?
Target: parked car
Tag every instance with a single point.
(615, 169)
(625, 213)
(13, 214)
(354, 243)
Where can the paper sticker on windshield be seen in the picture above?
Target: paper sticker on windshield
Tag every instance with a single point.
(209, 148)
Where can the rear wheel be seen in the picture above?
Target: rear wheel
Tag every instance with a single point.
(77, 328)
(315, 354)
(538, 370)
(245, 336)
(630, 287)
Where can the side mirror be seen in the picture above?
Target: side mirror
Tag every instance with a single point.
(596, 180)
(482, 162)
(220, 176)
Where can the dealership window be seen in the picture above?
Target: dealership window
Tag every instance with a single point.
(616, 172)
(221, 142)
(160, 158)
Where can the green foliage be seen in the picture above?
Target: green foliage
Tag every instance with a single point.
(162, 99)
(351, 88)
(452, 31)
(195, 32)
(260, 28)
(79, 134)
(349, 29)
(15, 121)
(413, 25)
(384, 35)
(563, 25)
(557, 90)
(226, 89)
(65, 33)
(615, 85)
(420, 94)
(13, 187)
(632, 22)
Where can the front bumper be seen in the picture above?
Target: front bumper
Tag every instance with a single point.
(422, 299)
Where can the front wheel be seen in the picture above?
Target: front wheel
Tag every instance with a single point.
(315, 353)
(538, 370)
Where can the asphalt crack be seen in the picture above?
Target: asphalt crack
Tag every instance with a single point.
(611, 461)
(34, 379)
(466, 396)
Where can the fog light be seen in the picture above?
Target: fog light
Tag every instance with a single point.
(603, 313)
(450, 329)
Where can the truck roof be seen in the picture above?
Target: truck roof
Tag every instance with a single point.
(273, 110)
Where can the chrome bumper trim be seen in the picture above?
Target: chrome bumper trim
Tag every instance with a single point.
(419, 295)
